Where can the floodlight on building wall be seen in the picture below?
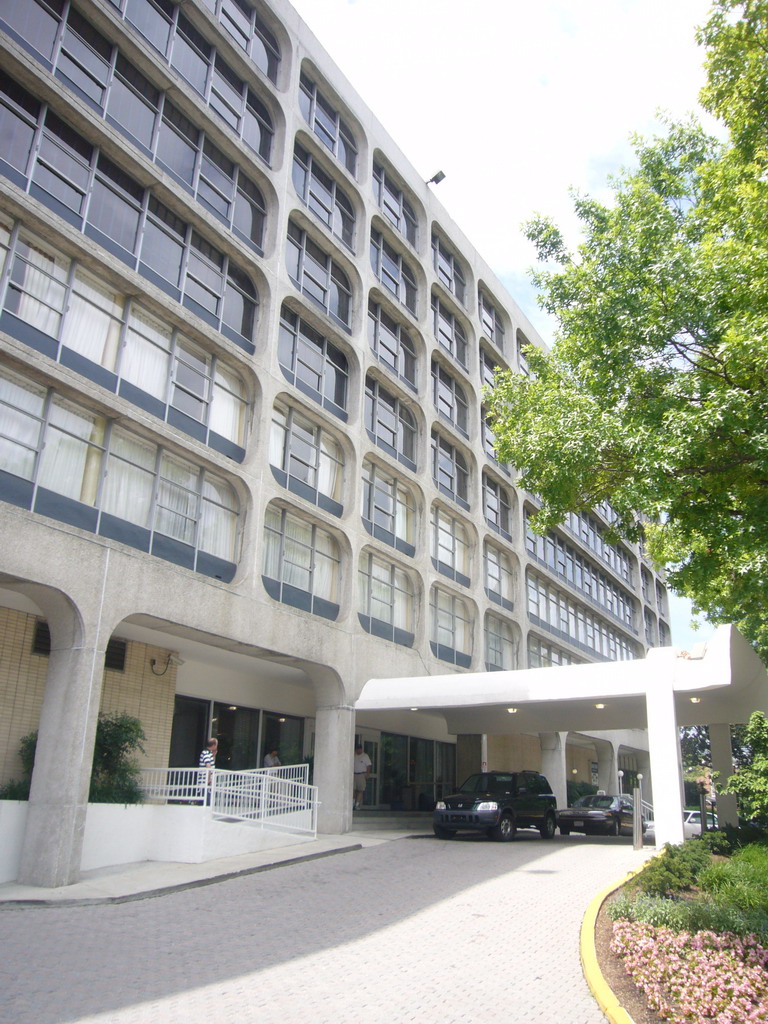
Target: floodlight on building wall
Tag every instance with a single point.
(436, 178)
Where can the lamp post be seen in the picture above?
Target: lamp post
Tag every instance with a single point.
(621, 781)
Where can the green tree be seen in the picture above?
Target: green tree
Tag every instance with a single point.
(750, 782)
(654, 396)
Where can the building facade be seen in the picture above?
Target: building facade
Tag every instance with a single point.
(243, 449)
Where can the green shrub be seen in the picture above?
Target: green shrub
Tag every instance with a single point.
(687, 915)
(740, 882)
(115, 775)
(675, 869)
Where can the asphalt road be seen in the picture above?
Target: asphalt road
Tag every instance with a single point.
(415, 929)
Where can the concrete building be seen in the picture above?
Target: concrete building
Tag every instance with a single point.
(244, 463)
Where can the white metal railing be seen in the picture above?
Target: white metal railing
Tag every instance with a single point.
(277, 798)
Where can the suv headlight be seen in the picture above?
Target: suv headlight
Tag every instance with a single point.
(488, 805)
(440, 805)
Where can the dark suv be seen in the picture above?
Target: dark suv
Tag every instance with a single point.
(498, 803)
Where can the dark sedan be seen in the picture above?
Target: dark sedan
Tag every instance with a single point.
(599, 814)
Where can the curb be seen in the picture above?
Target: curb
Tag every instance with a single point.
(598, 986)
(148, 894)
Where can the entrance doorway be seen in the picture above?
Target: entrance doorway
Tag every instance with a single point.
(189, 731)
(369, 740)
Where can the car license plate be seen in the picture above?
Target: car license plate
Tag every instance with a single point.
(579, 823)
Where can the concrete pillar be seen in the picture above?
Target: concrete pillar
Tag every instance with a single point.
(553, 764)
(334, 753)
(471, 748)
(607, 765)
(722, 762)
(664, 749)
(58, 800)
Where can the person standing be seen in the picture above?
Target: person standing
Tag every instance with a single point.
(207, 764)
(271, 760)
(362, 769)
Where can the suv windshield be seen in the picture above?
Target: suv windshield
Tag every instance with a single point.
(486, 783)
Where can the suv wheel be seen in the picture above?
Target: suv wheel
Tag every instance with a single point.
(443, 833)
(505, 830)
(548, 826)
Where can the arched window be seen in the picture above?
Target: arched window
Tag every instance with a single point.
(334, 133)
(449, 332)
(499, 576)
(448, 269)
(496, 506)
(393, 270)
(393, 204)
(385, 599)
(301, 563)
(391, 343)
(312, 363)
(324, 197)
(449, 470)
(490, 319)
(450, 627)
(500, 645)
(450, 546)
(388, 508)
(305, 458)
(318, 276)
(389, 423)
(449, 398)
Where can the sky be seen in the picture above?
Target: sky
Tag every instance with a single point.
(518, 103)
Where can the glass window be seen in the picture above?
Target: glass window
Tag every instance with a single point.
(320, 192)
(449, 469)
(449, 332)
(258, 131)
(115, 204)
(499, 576)
(177, 143)
(385, 592)
(22, 406)
(388, 504)
(133, 102)
(318, 276)
(312, 362)
(391, 343)
(250, 211)
(327, 125)
(500, 646)
(496, 505)
(93, 322)
(63, 166)
(393, 204)
(305, 452)
(19, 114)
(145, 360)
(164, 242)
(251, 33)
(450, 545)
(85, 58)
(390, 425)
(447, 268)
(393, 270)
(449, 398)
(300, 555)
(240, 302)
(490, 318)
(192, 55)
(153, 19)
(37, 285)
(451, 623)
(36, 21)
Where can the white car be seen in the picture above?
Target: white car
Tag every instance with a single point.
(692, 823)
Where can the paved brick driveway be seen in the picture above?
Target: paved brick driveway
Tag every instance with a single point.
(408, 930)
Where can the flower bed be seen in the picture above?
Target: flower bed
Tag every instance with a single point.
(696, 978)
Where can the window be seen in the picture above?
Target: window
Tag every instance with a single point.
(490, 320)
(449, 469)
(133, 102)
(661, 598)
(489, 438)
(449, 398)
(500, 646)
(542, 653)
(499, 576)
(388, 508)
(451, 628)
(84, 59)
(391, 343)
(522, 358)
(324, 197)
(447, 268)
(393, 270)
(301, 563)
(62, 171)
(36, 22)
(192, 55)
(389, 423)
(488, 368)
(318, 276)
(650, 628)
(450, 546)
(153, 19)
(385, 599)
(250, 32)
(496, 506)
(19, 115)
(312, 363)
(308, 459)
(449, 332)
(334, 133)
(393, 204)
(92, 473)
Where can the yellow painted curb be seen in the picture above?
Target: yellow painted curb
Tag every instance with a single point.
(598, 986)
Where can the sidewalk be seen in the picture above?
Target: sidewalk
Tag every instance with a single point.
(125, 882)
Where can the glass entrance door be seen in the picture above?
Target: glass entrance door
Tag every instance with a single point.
(369, 739)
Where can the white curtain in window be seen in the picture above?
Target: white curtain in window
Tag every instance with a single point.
(177, 499)
(146, 358)
(93, 321)
(272, 537)
(326, 566)
(21, 406)
(329, 477)
(227, 413)
(130, 478)
(71, 458)
(38, 286)
(218, 523)
(297, 554)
